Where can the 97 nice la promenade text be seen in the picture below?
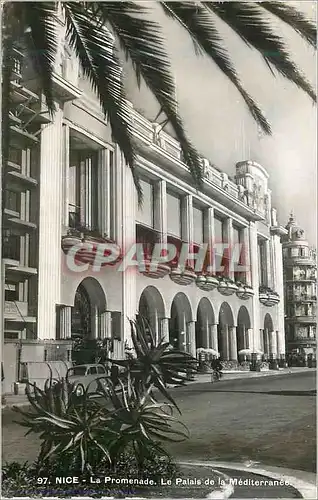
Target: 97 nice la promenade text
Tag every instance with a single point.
(178, 481)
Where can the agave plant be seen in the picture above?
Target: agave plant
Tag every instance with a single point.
(70, 428)
(156, 364)
(84, 434)
(138, 423)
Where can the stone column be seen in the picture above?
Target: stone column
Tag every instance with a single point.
(250, 337)
(261, 335)
(206, 334)
(50, 219)
(268, 263)
(165, 329)
(254, 275)
(187, 219)
(273, 344)
(95, 322)
(104, 193)
(126, 192)
(65, 322)
(246, 258)
(161, 218)
(214, 337)
(245, 336)
(225, 342)
(266, 341)
(228, 239)
(66, 174)
(191, 338)
(233, 343)
(106, 325)
(209, 237)
(280, 344)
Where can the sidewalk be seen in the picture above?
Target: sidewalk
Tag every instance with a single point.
(235, 375)
(21, 399)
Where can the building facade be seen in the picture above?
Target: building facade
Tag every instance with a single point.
(300, 277)
(67, 186)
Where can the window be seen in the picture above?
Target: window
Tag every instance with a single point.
(12, 200)
(218, 230)
(83, 189)
(101, 370)
(294, 252)
(78, 371)
(174, 215)
(145, 214)
(15, 155)
(11, 291)
(262, 262)
(92, 370)
(238, 252)
(198, 225)
(11, 246)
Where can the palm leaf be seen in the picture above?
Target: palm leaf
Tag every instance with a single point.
(143, 43)
(197, 21)
(248, 21)
(94, 47)
(41, 41)
(294, 18)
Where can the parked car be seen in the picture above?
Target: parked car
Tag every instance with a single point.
(84, 377)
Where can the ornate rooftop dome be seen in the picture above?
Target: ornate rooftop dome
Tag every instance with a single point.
(295, 232)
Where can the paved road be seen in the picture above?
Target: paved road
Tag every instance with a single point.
(270, 420)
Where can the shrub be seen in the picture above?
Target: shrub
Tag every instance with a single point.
(90, 435)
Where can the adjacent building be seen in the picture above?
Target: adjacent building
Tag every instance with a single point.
(67, 184)
(300, 277)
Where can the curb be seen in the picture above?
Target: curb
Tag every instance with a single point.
(238, 376)
(307, 489)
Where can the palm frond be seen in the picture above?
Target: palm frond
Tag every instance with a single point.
(249, 23)
(94, 47)
(41, 41)
(200, 26)
(142, 42)
(294, 18)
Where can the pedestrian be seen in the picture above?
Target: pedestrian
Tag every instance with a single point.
(216, 365)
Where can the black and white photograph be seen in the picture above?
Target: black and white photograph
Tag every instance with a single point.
(158, 249)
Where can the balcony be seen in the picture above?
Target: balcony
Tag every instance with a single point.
(302, 276)
(18, 182)
(227, 286)
(148, 238)
(12, 220)
(244, 291)
(268, 297)
(304, 319)
(89, 242)
(181, 273)
(303, 298)
(205, 279)
(207, 282)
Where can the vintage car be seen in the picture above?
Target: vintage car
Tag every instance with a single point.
(84, 377)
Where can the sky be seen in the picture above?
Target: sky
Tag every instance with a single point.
(219, 125)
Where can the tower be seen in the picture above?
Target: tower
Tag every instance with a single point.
(300, 274)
